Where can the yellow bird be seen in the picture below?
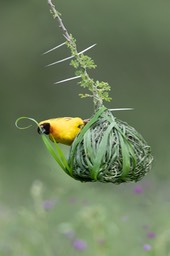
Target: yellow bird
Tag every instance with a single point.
(62, 130)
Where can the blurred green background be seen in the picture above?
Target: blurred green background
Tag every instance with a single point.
(42, 211)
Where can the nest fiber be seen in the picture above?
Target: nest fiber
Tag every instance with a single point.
(109, 150)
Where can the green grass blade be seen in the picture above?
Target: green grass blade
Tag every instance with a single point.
(24, 127)
(125, 157)
(84, 130)
(56, 154)
(101, 151)
(52, 151)
(63, 159)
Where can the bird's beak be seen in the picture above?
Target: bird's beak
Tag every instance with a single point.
(85, 121)
(41, 129)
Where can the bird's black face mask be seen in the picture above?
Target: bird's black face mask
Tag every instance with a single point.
(44, 128)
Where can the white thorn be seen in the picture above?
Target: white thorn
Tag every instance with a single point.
(117, 109)
(85, 50)
(70, 57)
(59, 61)
(68, 79)
(58, 46)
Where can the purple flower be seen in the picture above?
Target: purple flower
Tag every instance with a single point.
(79, 245)
(147, 247)
(138, 189)
(48, 204)
(151, 234)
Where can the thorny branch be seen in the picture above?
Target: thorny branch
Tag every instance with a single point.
(99, 90)
(56, 15)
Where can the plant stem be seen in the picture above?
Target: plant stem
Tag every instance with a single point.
(56, 14)
(66, 35)
(87, 81)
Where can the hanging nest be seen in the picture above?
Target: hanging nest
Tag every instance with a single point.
(109, 150)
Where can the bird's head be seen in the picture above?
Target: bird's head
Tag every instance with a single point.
(44, 128)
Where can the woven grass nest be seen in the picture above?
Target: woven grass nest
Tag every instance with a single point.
(109, 150)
